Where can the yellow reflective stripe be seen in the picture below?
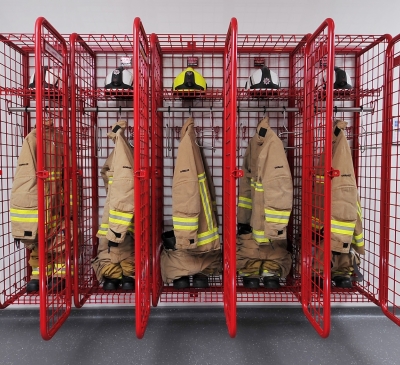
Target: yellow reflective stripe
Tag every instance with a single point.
(110, 179)
(316, 223)
(320, 179)
(259, 187)
(358, 240)
(252, 183)
(24, 215)
(205, 201)
(245, 202)
(207, 237)
(259, 236)
(59, 269)
(122, 218)
(359, 210)
(36, 270)
(241, 273)
(345, 228)
(103, 229)
(276, 216)
(185, 224)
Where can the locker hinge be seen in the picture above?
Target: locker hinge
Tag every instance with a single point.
(333, 173)
(42, 174)
(237, 173)
(143, 173)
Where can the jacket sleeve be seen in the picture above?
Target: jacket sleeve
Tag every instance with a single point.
(185, 197)
(121, 209)
(278, 191)
(105, 168)
(245, 202)
(358, 237)
(344, 197)
(23, 200)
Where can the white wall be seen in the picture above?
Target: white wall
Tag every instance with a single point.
(203, 16)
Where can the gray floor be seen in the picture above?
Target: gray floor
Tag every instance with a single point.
(189, 335)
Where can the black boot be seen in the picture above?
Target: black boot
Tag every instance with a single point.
(271, 282)
(200, 281)
(56, 284)
(111, 284)
(128, 283)
(182, 283)
(342, 282)
(33, 285)
(251, 282)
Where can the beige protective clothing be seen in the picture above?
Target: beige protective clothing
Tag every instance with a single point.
(197, 246)
(265, 203)
(346, 217)
(24, 200)
(115, 256)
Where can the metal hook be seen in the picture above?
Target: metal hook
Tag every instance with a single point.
(190, 111)
(168, 132)
(120, 110)
(265, 111)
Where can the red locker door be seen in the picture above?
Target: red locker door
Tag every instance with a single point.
(389, 273)
(142, 227)
(316, 194)
(53, 177)
(230, 175)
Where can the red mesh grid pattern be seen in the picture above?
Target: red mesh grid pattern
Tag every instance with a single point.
(284, 55)
(17, 61)
(53, 172)
(389, 219)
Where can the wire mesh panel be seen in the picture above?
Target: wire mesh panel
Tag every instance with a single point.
(171, 55)
(389, 274)
(283, 55)
(84, 167)
(53, 177)
(230, 174)
(17, 64)
(363, 58)
(317, 134)
(141, 54)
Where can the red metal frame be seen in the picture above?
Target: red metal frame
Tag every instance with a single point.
(317, 133)
(141, 66)
(51, 50)
(389, 219)
(17, 54)
(230, 175)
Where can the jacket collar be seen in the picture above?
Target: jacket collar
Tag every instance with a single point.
(119, 126)
(189, 122)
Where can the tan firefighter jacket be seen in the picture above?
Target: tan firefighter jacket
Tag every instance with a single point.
(346, 217)
(24, 193)
(266, 189)
(193, 211)
(117, 219)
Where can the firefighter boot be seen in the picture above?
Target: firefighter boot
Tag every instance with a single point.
(200, 281)
(342, 282)
(32, 286)
(128, 283)
(251, 282)
(111, 284)
(56, 284)
(182, 283)
(271, 282)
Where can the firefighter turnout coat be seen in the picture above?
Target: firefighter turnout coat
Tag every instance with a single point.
(197, 247)
(116, 250)
(24, 199)
(265, 203)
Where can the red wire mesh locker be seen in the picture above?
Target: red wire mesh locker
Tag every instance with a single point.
(317, 133)
(170, 56)
(94, 111)
(389, 287)
(284, 55)
(17, 64)
(230, 174)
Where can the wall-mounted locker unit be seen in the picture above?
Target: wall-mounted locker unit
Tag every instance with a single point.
(36, 213)
(212, 56)
(389, 287)
(361, 105)
(96, 105)
(283, 56)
